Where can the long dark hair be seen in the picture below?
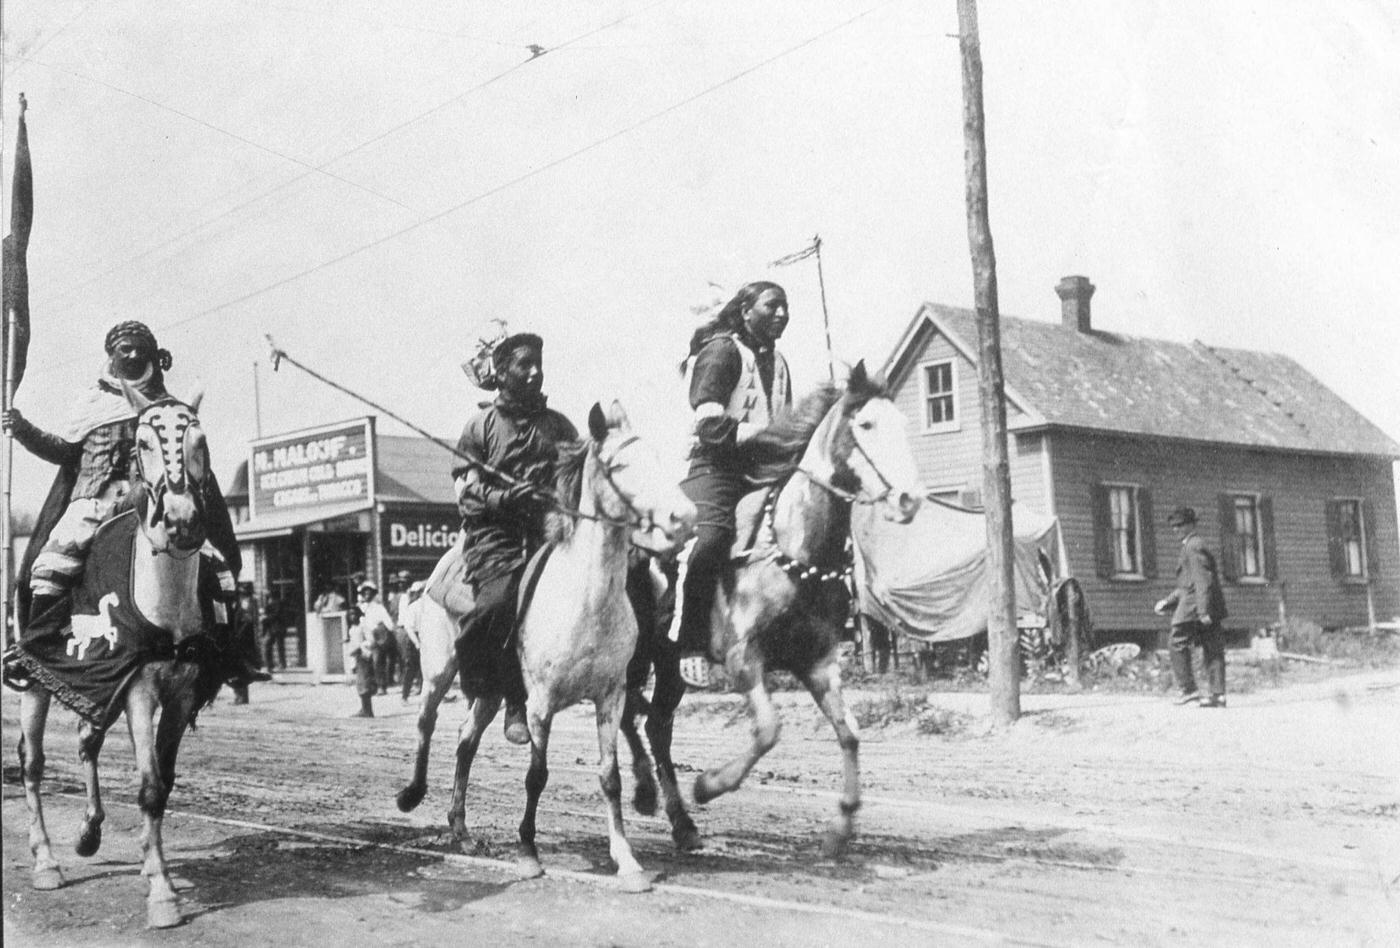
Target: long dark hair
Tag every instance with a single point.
(730, 318)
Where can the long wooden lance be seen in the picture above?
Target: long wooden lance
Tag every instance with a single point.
(280, 355)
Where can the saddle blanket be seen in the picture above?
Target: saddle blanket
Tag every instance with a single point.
(89, 662)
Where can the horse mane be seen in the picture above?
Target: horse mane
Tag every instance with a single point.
(774, 452)
(568, 490)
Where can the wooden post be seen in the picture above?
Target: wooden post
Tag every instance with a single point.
(1004, 663)
(7, 459)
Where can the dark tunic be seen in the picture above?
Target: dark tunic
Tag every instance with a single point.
(520, 441)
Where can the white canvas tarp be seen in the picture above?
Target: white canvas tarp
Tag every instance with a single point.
(928, 579)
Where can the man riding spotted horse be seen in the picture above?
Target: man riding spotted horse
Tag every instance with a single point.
(94, 456)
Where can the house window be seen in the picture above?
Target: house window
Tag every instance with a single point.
(1249, 538)
(1124, 542)
(939, 383)
(1348, 530)
(1125, 527)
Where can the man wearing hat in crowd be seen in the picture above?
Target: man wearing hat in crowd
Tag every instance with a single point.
(94, 453)
(503, 499)
(410, 644)
(378, 628)
(1198, 606)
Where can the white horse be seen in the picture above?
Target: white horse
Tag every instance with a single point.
(577, 633)
(172, 464)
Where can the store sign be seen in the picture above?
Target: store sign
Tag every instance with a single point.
(330, 465)
(418, 534)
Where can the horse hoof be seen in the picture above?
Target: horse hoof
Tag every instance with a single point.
(527, 867)
(834, 844)
(163, 915)
(688, 839)
(644, 800)
(46, 880)
(703, 792)
(409, 797)
(634, 882)
(89, 841)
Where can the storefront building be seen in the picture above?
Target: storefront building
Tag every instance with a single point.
(319, 508)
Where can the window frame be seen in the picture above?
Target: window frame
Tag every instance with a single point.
(955, 423)
(1260, 555)
(1135, 501)
(1357, 504)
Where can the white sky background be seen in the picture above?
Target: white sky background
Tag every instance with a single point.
(373, 182)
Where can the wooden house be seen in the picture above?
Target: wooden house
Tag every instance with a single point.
(1110, 432)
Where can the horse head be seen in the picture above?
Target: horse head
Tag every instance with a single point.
(172, 463)
(869, 450)
(631, 484)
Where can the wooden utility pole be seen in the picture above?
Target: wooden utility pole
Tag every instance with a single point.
(1003, 659)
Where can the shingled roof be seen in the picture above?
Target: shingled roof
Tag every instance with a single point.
(1062, 377)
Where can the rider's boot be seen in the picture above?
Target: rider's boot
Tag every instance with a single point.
(237, 671)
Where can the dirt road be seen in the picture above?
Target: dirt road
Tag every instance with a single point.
(1095, 819)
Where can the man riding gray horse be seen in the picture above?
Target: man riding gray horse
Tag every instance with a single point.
(503, 498)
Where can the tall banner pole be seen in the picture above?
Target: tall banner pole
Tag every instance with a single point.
(7, 460)
(826, 316)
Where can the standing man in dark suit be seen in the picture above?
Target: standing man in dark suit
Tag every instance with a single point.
(1198, 606)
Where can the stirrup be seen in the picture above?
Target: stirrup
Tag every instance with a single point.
(695, 671)
(12, 673)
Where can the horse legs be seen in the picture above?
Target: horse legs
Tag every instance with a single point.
(528, 857)
(162, 909)
(824, 683)
(728, 777)
(434, 689)
(629, 872)
(660, 725)
(644, 792)
(89, 746)
(480, 713)
(34, 714)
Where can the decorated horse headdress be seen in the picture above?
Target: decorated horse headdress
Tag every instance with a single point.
(171, 465)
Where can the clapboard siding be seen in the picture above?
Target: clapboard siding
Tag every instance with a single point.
(1193, 474)
(954, 458)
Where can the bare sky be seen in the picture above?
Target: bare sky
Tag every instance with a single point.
(373, 182)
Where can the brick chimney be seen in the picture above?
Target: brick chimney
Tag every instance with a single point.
(1074, 292)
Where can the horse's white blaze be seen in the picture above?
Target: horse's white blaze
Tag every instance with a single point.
(885, 464)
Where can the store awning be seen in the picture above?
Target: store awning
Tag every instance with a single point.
(282, 523)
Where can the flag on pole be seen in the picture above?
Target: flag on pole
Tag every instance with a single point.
(803, 254)
(17, 248)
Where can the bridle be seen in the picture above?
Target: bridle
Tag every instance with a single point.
(156, 491)
(609, 465)
(854, 497)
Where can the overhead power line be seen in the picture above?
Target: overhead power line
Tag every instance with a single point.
(535, 172)
(497, 189)
(209, 222)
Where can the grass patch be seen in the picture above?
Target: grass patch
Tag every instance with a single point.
(895, 706)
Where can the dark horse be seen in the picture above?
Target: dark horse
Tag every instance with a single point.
(784, 604)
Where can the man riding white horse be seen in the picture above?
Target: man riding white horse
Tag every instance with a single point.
(738, 381)
(503, 516)
(94, 456)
